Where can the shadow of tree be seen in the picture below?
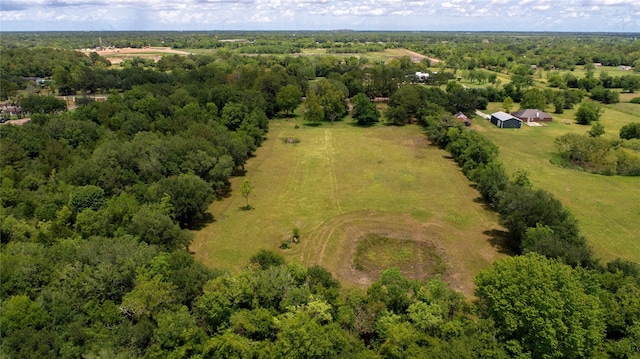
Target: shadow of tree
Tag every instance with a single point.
(200, 223)
(499, 239)
(239, 172)
(481, 200)
(285, 116)
(365, 125)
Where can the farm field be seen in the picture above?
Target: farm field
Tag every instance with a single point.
(341, 184)
(607, 207)
(118, 55)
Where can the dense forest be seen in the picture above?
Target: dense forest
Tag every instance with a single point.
(97, 202)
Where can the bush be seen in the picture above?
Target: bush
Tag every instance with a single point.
(628, 162)
(635, 100)
(630, 130)
(588, 112)
(266, 259)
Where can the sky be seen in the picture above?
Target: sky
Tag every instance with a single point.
(390, 15)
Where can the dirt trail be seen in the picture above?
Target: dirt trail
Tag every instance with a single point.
(416, 56)
(145, 50)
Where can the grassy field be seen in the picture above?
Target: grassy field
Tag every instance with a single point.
(607, 207)
(341, 184)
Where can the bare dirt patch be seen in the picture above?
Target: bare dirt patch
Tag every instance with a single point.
(21, 121)
(416, 57)
(145, 50)
(119, 55)
(418, 249)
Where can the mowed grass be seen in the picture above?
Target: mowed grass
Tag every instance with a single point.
(607, 207)
(341, 182)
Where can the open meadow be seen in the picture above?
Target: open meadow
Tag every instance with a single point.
(364, 199)
(607, 207)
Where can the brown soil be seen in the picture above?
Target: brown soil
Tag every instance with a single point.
(130, 50)
(418, 57)
(347, 230)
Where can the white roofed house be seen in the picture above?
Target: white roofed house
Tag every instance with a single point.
(505, 120)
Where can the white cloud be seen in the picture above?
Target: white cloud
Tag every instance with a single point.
(259, 18)
(365, 14)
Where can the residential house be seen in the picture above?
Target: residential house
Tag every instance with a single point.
(532, 115)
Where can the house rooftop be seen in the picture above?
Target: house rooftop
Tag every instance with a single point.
(504, 116)
(531, 113)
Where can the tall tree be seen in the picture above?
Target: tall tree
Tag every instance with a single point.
(313, 111)
(533, 98)
(364, 111)
(189, 194)
(288, 98)
(549, 309)
(507, 104)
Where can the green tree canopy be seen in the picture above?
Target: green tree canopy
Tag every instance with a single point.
(288, 98)
(588, 112)
(245, 190)
(189, 194)
(533, 98)
(548, 308)
(364, 111)
(313, 111)
(630, 130)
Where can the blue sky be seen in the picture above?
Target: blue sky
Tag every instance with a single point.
(428, 15)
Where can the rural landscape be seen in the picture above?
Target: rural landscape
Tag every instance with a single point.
(319, 194)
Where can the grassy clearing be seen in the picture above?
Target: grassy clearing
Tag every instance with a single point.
(341, 182)
(580, 72)
(607, 207)
(376, 252)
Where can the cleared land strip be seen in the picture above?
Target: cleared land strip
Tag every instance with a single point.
(342, 182)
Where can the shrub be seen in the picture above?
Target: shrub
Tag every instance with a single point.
(588, 112)
(266, 259)
(630, 130)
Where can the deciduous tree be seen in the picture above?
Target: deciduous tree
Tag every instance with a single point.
(507, 104)
(288, 98)
(313, 111)
(548, 308)
(630, 130)
(364, 111)
(245, 190)
(588, 112)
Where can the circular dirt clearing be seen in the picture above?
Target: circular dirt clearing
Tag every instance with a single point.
(376, 252)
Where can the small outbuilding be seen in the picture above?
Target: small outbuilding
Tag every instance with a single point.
(462, 117)
(532, 115)
(505, 120)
